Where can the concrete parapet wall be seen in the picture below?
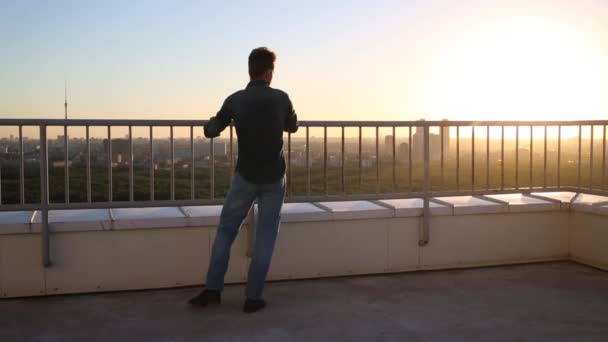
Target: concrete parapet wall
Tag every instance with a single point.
(336, 240)
(589, 239)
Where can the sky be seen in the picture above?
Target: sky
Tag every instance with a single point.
(338, 60)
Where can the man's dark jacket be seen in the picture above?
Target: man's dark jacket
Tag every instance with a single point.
(260, 114)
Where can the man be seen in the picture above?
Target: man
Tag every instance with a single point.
(260, 114)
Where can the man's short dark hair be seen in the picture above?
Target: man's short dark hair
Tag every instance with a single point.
(260, 60)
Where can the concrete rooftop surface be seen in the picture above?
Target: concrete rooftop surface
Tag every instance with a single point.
(560, 301)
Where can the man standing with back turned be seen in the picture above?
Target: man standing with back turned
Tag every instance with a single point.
(260, 114)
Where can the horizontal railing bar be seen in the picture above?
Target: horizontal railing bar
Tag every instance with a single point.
(100, 122)
(362, 123)
(123, 122)
(111, 205)
(585, 191)
(20, 207)
(134, 204)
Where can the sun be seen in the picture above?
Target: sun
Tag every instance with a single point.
(524, 69)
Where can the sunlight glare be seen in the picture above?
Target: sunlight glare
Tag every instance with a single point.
(518, 70)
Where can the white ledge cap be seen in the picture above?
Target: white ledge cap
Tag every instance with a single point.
(303, 212)
(74, 220)
(522, 203)
(588, 203)
(352, 210)
(587, 199)
(408, 207)
(204, 215)
(139, 218)
(464, 205)
(15, 222)
(563, 196)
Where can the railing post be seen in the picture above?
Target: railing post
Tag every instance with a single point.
(307, 161)
(21, 168)
(343, 167)
(131, 169)
(251, 232)
(231, 152)
(289, 182)
(110, 195)
(66, 160)
(88, 164)
(44, 197)
(409, 159)
(211, 169)
(325, 190)
(424, 234)
(192, 168)
(151, 163)
(172, 152)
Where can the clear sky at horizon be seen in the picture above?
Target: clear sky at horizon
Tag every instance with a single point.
(338, 60)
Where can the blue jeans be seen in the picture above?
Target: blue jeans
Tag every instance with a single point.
(236, 206)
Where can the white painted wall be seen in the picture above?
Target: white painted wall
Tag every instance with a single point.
(21, 271)
(589, 239)
(494, 239)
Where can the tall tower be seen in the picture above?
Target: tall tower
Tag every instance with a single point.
(65, 103)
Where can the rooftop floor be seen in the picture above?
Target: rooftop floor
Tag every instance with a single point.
(541, 302)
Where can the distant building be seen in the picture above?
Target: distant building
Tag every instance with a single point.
(435, 144)
(389, 140)
(404, 151)
(418, 145)
(120, 150)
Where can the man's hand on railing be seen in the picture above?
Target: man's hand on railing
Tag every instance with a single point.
(210, 131)
(221, 120)
(213, 128)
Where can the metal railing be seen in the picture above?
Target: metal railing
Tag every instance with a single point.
(426, 149)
